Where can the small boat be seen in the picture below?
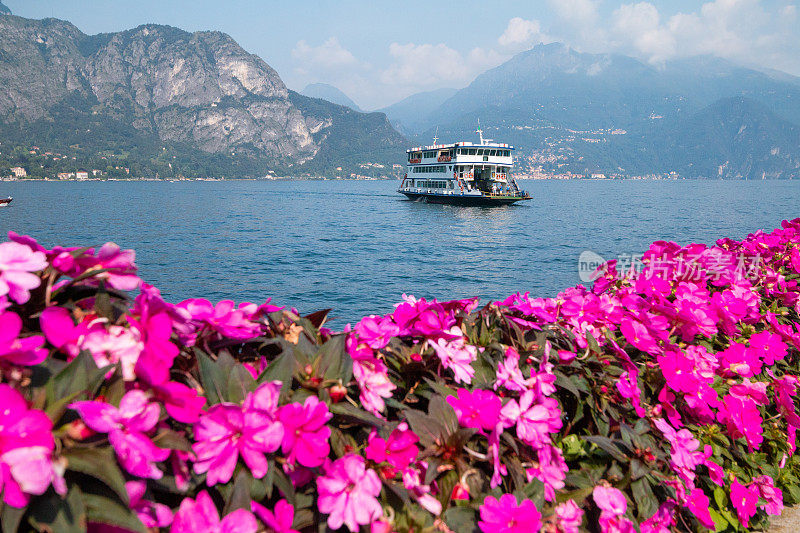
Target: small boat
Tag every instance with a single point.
(5, 201)
(462, 173)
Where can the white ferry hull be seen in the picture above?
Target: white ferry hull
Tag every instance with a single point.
(464, 200)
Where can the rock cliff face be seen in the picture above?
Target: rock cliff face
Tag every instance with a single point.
(200, 89)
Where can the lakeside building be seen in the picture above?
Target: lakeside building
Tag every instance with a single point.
(82, 175)
(19, 172)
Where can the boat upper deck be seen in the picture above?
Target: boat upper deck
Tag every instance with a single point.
(461, 153)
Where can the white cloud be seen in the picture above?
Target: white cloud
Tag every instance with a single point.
(428, 66)
(521, 34)
(640, 26)
(328, 55)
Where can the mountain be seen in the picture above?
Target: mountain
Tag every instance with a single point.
(4, 10)
(567, 110)
(329, 93)
(410, 114)
(162, 100)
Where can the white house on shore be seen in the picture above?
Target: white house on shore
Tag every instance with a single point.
(19, 172)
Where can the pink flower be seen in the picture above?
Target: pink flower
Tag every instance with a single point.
(152, 515)
(202, 515)
(126, 427)
(399, 450)
(456, 355)
(638, 334)
(479, 409)
(17, 262)
(678, 371)
(769, 345)
(611, 501)
(227, 431)
(306, 434)
(118, 265)
(742, 419)
(61, 331)
(224, 318)
(412, 482)
(535, 420)
(26, 446)
(509, 376)
(374, 383)
(738, 359)
(744, 500)
(770, 493)
(347, 493)
(112, 345)
(662, 520)
(376, 331)
(15, 350)
(279, 520)
(569, 517)
(506, 516)
(697, 503)
(551, 470)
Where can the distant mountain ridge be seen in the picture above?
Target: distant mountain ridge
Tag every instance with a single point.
(153, 89)
(411, 114)
(608, 113)
(329, 93)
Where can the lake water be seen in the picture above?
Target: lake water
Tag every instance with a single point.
(357, 246)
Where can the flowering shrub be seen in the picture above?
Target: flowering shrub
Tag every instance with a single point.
(661, 399)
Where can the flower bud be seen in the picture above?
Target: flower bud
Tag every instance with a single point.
(460, 492)
(337, 392)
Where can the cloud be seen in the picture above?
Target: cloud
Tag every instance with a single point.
(328, 55)
(640, 24)
(436, 65)
(521, 34)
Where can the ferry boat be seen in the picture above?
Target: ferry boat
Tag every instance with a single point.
(462, 173)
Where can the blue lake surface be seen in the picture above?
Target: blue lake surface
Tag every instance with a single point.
(357, 246)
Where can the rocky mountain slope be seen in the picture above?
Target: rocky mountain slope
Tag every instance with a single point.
(199, 95)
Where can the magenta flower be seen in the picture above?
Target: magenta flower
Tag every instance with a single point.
(509, 376)
(116, 267)
(535, 419)
(17, 262)
(26, 446)
(202, 515)
(114, 344)
(611, 501)
(678, 371)
(152, 515)
(15, 350)
(126, 427)
(506, 516)
(741, 360)
(551, 470)
(347, 493)
(569, 517)
(744, 500)
(413, 483)
(456, 355)
(662, 520)
(479, 409)
(227, 431)
(742, 419)
(376, 331)
(224, 318)
(697, 502)
(279, 520)
(399, 450)
(770, 493)
(638, 334)
(374, 383)
(769, 346)
(61, 331)
(306, 434)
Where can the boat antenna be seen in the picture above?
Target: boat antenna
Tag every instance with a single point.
(436, 136)
(479, 131)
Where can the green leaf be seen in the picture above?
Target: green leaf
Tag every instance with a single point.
(51, 512)
(461, 519)
(81, 375)
(719, 521)
(240, 382)
(609, 446)
(109, 511)
(646, 502)
(212, 378)
(99, 463)
(427, 428)
(353, 413)
(282, 369)
(333, 362)
(443, 412)
(11, 517)
(239, 497)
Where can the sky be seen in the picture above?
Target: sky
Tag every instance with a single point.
(379, 52)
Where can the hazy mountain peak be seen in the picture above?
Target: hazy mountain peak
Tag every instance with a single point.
(4, 10)
(330, 93)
